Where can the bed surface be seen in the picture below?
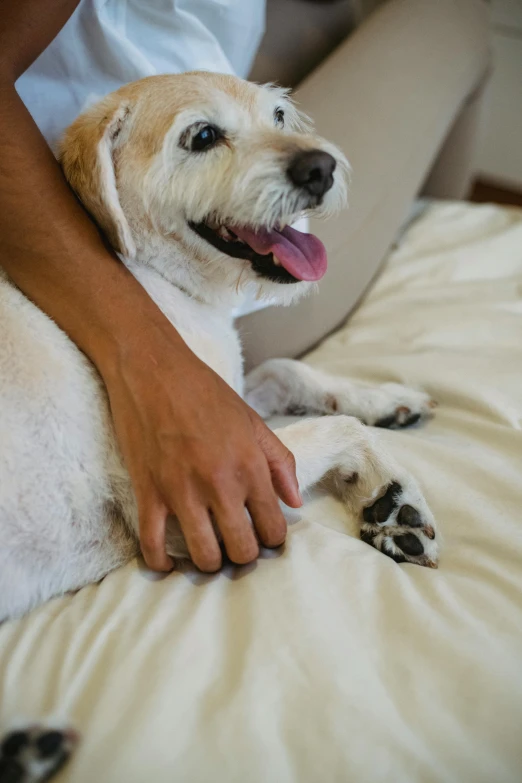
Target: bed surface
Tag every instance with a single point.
(327, 661)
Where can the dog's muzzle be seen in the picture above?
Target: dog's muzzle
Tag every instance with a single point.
(281, 254)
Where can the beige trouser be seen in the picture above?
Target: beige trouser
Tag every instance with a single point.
(401, 96)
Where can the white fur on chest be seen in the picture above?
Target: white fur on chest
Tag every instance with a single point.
(208, 330)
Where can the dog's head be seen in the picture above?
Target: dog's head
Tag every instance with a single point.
(203, 174)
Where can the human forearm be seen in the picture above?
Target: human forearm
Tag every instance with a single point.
(52, 250)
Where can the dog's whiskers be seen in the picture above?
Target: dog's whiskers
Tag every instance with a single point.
(239, 280)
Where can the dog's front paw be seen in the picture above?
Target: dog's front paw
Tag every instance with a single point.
(394, 406)
(400, 525)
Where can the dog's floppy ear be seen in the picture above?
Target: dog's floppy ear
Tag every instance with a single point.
(86, 155)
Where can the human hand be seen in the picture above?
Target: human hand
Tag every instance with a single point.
(195, 449)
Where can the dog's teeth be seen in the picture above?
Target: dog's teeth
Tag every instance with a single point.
(277, 262)
(224, 233)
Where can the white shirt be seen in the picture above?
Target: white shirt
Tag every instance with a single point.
(108, 43)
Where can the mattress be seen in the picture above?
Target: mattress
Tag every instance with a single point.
(326, 662)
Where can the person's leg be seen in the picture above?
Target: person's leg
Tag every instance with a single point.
(388, 97)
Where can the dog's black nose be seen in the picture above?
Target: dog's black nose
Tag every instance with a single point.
(313, 170)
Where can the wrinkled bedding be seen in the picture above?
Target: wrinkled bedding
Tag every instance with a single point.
(327, 662)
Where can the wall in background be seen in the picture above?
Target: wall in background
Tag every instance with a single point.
(500, 151)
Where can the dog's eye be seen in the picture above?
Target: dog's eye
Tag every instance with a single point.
(206, 137)
(279, 118)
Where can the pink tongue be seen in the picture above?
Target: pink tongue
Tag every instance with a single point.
(303, 255)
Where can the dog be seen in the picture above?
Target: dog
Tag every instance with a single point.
(195, 179)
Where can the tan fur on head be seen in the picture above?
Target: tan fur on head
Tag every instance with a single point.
(129, 160)
(86, 154)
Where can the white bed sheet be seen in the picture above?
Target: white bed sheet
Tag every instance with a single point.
(327, 662)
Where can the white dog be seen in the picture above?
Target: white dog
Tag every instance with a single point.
(195, 179)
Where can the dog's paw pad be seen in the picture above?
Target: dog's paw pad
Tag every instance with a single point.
(34, 754)
(399, 530)
(402, 417)
(379, 511)
(409, 544)
(409, 517)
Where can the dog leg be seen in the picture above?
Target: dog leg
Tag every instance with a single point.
(284, 386)
(389, 506)
(35, 754)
